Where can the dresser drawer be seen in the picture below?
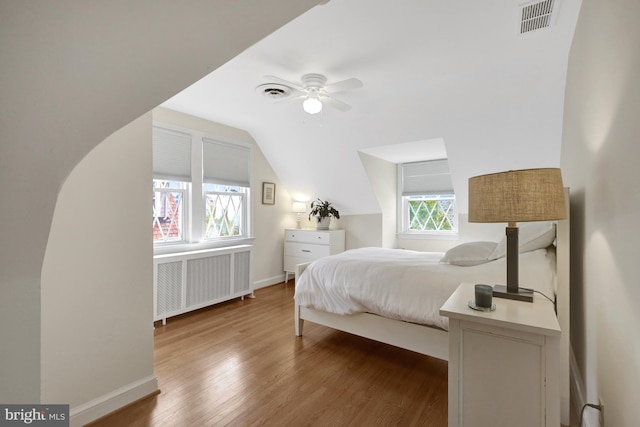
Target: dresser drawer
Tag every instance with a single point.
(306, 250)
(306, 236)
(290, 262)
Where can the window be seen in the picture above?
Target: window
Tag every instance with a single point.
(224, 211)
(431, 212)
(168, 212)
(426, 201)
(201, 188)
(226, 188)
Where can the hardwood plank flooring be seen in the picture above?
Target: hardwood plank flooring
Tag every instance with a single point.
(240, 364)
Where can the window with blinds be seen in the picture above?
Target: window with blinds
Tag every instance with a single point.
(201, 187)
(171, 155)
(426, 200)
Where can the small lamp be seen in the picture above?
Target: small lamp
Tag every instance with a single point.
(516, 196)
(298, 208)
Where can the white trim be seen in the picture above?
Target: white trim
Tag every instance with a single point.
(403, 222)
(193, 207)
(435, 235)
(422, 183)
(411, 336)
(244, 201)
(185, 197)
(112, 401)
(269, 281)
(578, 391)
(181, 247)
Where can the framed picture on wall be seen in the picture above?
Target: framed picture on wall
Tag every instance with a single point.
(268, 193)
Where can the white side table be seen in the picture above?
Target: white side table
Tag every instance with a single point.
(503, 365)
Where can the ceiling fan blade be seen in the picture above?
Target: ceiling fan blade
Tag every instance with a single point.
(343, 85)
(274, 79)
(335, 103)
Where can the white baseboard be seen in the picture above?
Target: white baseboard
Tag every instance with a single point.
(268, 281)
(579, 393)
(103, 405)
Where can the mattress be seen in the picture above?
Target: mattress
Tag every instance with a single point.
(407, 285)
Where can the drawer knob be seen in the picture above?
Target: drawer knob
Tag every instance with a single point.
(306, 250)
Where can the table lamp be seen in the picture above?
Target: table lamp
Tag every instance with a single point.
(516, 196)
(298, 208)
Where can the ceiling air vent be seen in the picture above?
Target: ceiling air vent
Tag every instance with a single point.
(536, 15)
(274, 90)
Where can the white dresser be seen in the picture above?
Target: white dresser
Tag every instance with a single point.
(503, 365)
(305, 245)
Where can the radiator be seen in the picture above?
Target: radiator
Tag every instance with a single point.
(191, 280)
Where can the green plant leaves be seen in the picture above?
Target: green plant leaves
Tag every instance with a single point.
(322, 209)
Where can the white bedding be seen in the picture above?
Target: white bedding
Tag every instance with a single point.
(406, 285)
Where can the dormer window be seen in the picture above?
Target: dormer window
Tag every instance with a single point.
(426, 200)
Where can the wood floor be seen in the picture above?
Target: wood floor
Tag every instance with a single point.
(240, 364)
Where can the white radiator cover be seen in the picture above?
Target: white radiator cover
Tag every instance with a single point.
(188, 281)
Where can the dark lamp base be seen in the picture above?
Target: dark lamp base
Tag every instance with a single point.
(500, 291)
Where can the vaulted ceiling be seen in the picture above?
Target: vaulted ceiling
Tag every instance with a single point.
(456, 71)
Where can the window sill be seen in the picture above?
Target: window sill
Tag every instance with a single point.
(169, 249)
(429, 236)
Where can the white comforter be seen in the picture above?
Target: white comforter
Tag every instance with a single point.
(406, 285)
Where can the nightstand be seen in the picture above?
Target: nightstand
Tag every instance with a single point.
(503, 365)
(305, 245)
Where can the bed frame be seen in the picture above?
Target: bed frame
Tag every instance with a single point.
(435, 342)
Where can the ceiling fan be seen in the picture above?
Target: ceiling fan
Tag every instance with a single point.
(316, 92)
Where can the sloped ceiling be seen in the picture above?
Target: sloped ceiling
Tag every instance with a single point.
(74, 72)
(455, 71)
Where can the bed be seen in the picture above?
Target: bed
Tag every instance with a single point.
(369, 313)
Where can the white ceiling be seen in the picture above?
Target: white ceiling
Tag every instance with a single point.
(433, 70)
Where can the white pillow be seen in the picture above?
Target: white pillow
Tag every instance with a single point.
(468, 254)
(531, 236)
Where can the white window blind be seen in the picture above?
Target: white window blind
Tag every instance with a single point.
(171, 155)
(225, 163)
(422, 178)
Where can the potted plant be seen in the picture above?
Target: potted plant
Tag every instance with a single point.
(323, 211)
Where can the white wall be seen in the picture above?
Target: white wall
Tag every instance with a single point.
(269, 221)
(467, 232)
(99, 260)
(600, 155)
(361, 230)
(73, 73)
(383, 177)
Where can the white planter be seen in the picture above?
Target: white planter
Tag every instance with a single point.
(323, 223)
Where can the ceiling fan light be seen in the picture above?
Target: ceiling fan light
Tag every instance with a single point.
(312, 105)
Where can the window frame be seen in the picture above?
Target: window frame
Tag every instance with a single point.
(184, 191)
(244, 196)
(194, 208)
(403, 210)
(404, 223)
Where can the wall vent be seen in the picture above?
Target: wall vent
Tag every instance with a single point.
(274, 90)
(536, 15)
